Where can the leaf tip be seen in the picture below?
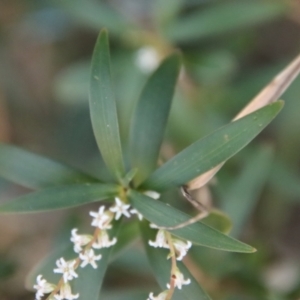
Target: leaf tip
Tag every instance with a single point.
(281, 103)
(250, 249)
(103, 36)
(278, 105)
(104, 32)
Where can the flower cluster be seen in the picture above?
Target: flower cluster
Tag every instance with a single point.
(178, 281)
(179, 249)
(84, 246)
(62, 292)
(42, 287)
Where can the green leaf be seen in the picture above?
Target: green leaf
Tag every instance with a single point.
(150, 117)
(161, 267)
(34, 171)
(103, 107)
(223, 18)
(211, 150)
(95, 15)
(60, 197)
(239, 202)
(198, 233)
(127, 179)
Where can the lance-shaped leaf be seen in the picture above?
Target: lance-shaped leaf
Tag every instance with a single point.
(212, 150)
(150, 117)
(60, 197)
(269, 94)
(164, 215)
(161, 267)
(103, 107)
(34, 171)
(222, 18)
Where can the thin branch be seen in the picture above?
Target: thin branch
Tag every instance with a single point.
(204, 211)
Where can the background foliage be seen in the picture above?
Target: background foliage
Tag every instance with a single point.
(230, 51)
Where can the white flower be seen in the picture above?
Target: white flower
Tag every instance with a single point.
(42, 287)
(181, 247)
(66, 268)
(79, 240)
(65, 293)
(89, 257)
(103, 240)
(160, 241)
(120, 208)
(101, 219)
(147, 59)
(152, 194)
(161, 296)
(179, 280)
(135, 212)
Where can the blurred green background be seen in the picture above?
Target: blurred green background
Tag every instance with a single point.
(230, 50)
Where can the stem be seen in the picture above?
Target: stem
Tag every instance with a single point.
(173, 266)
(60, 283)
